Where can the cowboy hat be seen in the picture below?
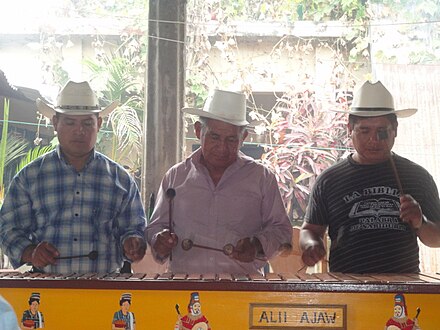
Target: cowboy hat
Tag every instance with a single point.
(76, 98)
(226, 106)
(372, 100)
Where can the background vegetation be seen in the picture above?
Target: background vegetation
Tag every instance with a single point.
(300, 139)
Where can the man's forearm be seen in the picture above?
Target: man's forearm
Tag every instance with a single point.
(429, 233)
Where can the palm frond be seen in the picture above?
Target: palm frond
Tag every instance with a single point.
(127, 127)
(33, 154)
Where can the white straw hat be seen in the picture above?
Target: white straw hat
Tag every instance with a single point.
(226, 106)
(373, 99)
(76, 98)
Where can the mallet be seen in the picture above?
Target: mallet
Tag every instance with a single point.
(93, 255)
(383, 135)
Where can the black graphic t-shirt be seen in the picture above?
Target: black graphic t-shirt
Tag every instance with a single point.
(360, 205)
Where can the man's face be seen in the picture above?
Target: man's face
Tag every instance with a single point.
(373, 139)
(77, 134)
(220, 142)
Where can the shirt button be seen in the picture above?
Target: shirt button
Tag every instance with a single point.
(75, 239)
(76, 214)
(77, 192)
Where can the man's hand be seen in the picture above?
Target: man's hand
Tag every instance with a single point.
(134, 248)
(246, 249)
(410, 211)
(40, 255)
(313, 252)
(165, 242)
(311, 242)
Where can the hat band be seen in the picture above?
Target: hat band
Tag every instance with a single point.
(371, 109)
(78, 107)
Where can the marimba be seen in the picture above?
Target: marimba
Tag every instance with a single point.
(228, 301)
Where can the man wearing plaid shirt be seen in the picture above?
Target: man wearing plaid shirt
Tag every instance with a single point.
(73, 200)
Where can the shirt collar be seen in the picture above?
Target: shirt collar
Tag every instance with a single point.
(62, 158)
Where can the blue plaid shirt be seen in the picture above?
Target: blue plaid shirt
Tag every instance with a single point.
(78, 212)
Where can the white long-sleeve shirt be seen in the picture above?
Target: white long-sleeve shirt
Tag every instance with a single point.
(246, 202)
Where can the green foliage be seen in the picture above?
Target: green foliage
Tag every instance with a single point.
(333, 10)
(89, 8)
(198, 91)
(3, 142)
(52, 59)
(286, 10)
(115, 75)
(410, 28)
(11, 149)
(16, 148)
(33, 154)
(120, 76)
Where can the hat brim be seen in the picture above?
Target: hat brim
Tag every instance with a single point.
(402, 113)
(49, 111)
(201, 113)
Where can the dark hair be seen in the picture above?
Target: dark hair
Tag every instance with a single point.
(123, 300)
(31, 300)
(353, 119)
(57, 114)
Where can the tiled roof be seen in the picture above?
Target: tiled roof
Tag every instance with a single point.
(10, 91)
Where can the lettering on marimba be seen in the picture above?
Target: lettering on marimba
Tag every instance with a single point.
(292, 316)
(318, 317)
(271, 317)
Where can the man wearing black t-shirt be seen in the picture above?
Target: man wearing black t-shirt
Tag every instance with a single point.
(374, 203)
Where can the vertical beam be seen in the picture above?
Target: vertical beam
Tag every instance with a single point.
(165, 92)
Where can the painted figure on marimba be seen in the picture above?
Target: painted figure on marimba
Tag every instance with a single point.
(400, 319)
(194, 320)
(32, 317)
(124, 319)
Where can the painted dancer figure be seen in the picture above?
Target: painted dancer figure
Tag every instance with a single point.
(124, 319)
(400, 320)
(32, 318)
(375, 204)
(194, 320)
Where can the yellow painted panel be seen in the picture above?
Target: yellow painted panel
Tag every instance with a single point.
(156, 309)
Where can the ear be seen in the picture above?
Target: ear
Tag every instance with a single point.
(198, 129)
(99, 122)
(55, 122)
(349, 129)
(245, 134)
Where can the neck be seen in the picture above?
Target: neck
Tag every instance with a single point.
(362, 161)
(78, 162)
(215, 173)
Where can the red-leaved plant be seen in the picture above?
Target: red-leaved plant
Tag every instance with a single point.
(306, 140)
